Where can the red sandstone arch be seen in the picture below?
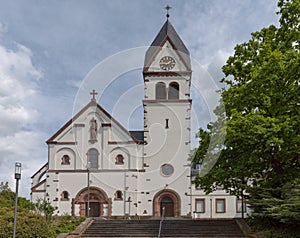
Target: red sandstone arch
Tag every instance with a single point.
(96, 195)
(163, 194)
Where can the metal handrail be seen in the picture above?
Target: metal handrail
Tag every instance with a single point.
(161, 221)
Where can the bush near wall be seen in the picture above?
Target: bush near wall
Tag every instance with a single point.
(30, 223)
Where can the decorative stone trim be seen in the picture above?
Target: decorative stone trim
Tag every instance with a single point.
(163, 194)
(96, 195)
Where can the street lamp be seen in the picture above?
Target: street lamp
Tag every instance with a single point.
(88, 166)
(17, 177)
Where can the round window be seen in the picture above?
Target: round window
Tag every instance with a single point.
(167, 169)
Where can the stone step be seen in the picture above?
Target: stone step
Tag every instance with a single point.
(170, 228)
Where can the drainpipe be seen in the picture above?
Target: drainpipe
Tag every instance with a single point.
(210, 199)
(124, 198)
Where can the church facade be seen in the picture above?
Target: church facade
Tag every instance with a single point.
(98, 168)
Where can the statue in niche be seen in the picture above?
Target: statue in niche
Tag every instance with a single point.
(93, 130)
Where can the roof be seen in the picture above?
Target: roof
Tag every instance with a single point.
(139, 135)
(45, 165)
(167, 32)
(92, 103)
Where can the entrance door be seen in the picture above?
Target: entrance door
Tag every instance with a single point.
(168, 204)
(94, 209)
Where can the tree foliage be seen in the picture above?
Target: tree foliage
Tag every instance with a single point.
(282, 204)
(31, 223)
(45, 208)
(262, 107)
(7, 198)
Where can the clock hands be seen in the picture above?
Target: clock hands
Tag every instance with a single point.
(167, 63)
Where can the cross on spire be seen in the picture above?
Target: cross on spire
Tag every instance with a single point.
(168, 8)
(93, 93)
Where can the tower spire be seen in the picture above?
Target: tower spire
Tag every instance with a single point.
(168, 8)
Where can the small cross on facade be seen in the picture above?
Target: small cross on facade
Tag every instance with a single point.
(168, 8)
(93, 93)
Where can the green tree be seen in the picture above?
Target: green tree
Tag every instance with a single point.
(30, 224)
(261, 148)
(7, 198)
(45, 208)
(31, 217)
(282, 204)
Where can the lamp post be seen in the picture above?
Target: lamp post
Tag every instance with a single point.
(17, 177)
(88, 187)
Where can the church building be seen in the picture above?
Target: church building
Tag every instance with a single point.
(98, 168)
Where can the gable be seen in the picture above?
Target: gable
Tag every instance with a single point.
(167, 49)
(84, 119)
(167, 38)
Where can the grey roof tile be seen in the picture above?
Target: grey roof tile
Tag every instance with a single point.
(167, 32)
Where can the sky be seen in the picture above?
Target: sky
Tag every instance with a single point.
(50, 51)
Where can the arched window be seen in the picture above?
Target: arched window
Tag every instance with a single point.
(64, 195)
(65, 160)
(93, 158)
(119, 159)
(173, 91)
(160, 91)
(118, 195)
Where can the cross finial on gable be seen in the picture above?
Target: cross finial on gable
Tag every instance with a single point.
(168, 8)
(93, 93)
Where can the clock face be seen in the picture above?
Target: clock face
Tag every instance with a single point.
(167, 63)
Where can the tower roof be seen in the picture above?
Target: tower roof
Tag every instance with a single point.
(167, 32)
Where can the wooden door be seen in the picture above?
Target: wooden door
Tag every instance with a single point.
(168, 204)
(94, 209)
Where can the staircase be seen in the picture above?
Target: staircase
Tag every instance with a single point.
(170, 228)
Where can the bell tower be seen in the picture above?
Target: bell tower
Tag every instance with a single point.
(167, 105)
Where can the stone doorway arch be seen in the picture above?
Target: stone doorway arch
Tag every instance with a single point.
(99, 203)
(169, 200)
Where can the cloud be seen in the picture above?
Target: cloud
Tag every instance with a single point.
(25, 147)
(17, 85)
(222, 27)
(19, 141)
(211, 34)
(3, 28)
